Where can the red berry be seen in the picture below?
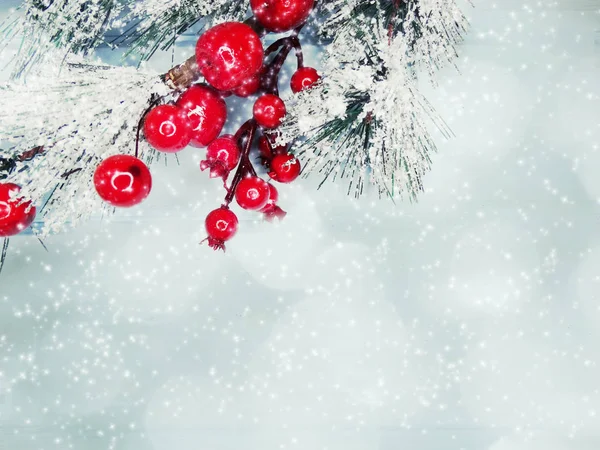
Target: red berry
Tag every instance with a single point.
(222, 156)
(269, 111)
(281, 15)
(228, 54)
(264, 150)
(207, 113)
(273, 212)
(273, 197)
(167, 128)
(14, 216)
(303, 78)
(221, 225)
(122, 180)
(267, 149)
(225, 150)
(284, 168)
(252, 193)
(248, 87)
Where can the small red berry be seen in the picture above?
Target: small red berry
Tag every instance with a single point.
(221, 225)
(122, 180)
(269, 111)
(222, 156)
(14, 216)
(252, 193)
(229, 53)
(167, 128)
(281, 15)
(264, 150)
(248, 87)
(271, 210)
(207, 112)
(284, 168)
(273, 197)
(225, 150)
(303, 78)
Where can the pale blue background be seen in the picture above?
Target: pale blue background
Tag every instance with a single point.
(468, 321)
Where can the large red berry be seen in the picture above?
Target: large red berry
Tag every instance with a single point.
(248, 87)
(14, 216)
(252, 193)
(281, 15)
(122, 180)
(167, 128)
(303, 78)
(228, 54)
(221, 225)
(207, 112)
(284, 168)
(269, 111)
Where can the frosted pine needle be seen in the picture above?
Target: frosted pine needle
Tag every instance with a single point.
(43, 26)
(367, 120)
(80, 117)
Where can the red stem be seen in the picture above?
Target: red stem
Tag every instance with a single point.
(245, 165)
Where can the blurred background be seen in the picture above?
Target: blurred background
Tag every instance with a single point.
(466, 321)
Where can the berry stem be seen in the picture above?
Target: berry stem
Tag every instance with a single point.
(153, 103)
(270, 78)
(299, 54)
(245, 165)
(275, 46)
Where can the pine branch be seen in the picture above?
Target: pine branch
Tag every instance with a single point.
(50, 27)
(87, 113)
(155, 25)
(367, 120)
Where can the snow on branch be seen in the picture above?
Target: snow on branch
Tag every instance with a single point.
(79, 117)
(367, 121)
(152, 25)
(47, 26)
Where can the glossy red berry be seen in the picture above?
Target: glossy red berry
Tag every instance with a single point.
(207, 112)
(303, 78)
(222, 156)
(265, 151)
(269, 111)
(14, 216)
(281, 15)
(224, 150)
(271, 210)
(284, 168)
(273, 197)
(167, 128)
(252, 193)
(221, 225)
(122, 180)
(228, 54)
(248, 87)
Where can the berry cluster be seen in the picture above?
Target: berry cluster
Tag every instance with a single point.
(231, 58)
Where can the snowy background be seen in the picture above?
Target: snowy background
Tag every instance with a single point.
(467, 321)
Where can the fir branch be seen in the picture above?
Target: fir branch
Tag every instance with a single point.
(51, 27)
(87, 113)
(367, 120)
(155, 25)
